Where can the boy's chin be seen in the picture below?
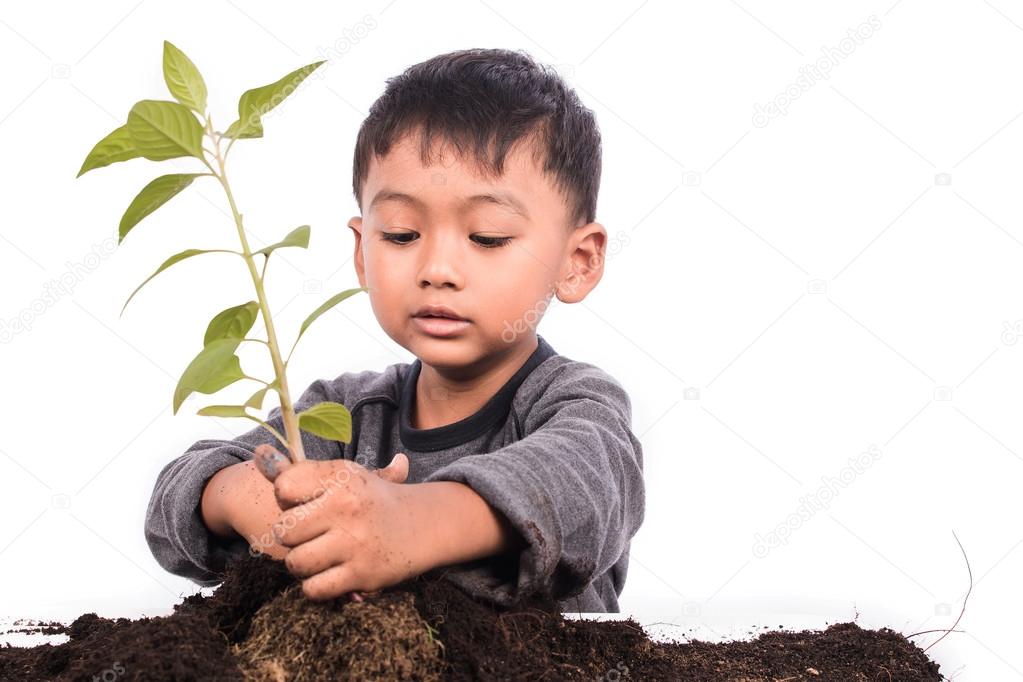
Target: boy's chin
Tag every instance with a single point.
(450, 353)
(468, 352)
(459, 348)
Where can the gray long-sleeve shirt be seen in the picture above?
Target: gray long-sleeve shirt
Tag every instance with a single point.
(552, 450)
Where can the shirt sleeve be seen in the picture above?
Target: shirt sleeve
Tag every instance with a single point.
(572, 487)
(174, 529)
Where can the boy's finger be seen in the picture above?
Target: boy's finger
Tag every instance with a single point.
(307, 480)
(270, 461)
(360, 595)
(396, 471)
(333, 582)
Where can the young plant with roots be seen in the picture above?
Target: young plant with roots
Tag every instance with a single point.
(159, 130)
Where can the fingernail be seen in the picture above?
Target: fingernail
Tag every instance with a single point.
(276, 529)
(269, 460)
(355, 596)
(267, 466)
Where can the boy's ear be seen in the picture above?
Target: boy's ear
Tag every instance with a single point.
(584, 262)
(360, 269)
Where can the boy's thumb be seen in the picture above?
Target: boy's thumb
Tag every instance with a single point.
(396, 471)
(270, 461)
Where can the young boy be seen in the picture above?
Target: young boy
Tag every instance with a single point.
(476, 173)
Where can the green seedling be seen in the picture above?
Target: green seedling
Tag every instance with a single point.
(159, 130)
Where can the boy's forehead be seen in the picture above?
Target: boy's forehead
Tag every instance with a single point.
(401, 177)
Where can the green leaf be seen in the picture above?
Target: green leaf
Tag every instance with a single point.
(164, 130)
(255, 103)
(176, 258)
(327, 420)
(233, 323)
(234, 130)
(330, 303)
(215, 367)
(223, 411)
(297, 237)
(117, 146)
(256, 401)
(153, 196)
(183, 79)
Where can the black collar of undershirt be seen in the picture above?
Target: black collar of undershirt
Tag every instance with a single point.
(473, 426)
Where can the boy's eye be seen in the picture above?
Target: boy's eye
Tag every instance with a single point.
(483, 241)
(491, 242)
(397, 237)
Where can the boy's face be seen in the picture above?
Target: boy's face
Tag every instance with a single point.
(449, 256)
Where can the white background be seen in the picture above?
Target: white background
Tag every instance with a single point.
(780, 297)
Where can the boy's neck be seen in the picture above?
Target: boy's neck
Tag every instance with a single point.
(443, 399)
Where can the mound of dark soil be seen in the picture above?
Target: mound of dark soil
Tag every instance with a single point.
(258, 626)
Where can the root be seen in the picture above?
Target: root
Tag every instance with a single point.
(961, 611)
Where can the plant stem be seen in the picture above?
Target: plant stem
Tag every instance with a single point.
(290, 419)
(269, 428)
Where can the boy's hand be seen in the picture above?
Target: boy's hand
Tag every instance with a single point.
(239, 499)
(348, 528)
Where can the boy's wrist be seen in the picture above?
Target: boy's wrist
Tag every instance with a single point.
(458, 525)
(214, 507)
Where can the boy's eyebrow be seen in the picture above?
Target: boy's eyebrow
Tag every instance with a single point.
(497, 198)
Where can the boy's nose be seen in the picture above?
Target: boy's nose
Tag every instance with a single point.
(438, 266)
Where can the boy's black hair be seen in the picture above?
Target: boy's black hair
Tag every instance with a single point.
(484, 101)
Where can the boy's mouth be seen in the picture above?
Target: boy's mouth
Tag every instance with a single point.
(440, 312)
(439, 321)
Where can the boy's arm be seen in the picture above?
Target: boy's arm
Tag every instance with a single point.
(572, 489)
(458, 525)
(174, 526)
